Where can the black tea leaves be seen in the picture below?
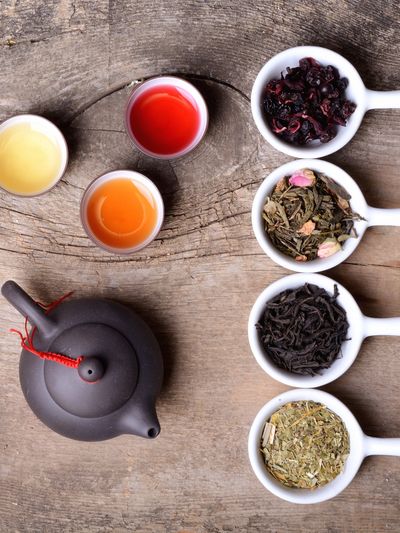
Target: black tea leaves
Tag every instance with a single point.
(302, 330)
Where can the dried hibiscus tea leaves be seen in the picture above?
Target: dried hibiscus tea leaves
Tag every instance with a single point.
(302, 330)
(307, 103)
(308, 216)
(305, 445)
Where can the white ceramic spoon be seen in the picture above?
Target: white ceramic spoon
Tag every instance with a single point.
(372, 215)
(355, 92)
(361, 446)
(360, 327)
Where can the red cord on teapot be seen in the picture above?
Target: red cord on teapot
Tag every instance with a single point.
(27, 340)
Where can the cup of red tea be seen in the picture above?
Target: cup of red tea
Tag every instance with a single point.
(122, 211)
(166, 117)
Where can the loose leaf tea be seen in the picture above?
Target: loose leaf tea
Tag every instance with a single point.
(308, 215)
(308, 103)
(302, 330)
(307, 447)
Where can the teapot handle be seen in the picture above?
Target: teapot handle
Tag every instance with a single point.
(28, 308)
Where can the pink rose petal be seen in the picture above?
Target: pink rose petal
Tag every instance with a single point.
(328, 248)
(307, 228)
(302, 178)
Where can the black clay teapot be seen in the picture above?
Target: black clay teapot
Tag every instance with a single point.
(115, 371)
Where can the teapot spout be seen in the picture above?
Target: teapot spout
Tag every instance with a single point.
(28, 308)
(141, 421)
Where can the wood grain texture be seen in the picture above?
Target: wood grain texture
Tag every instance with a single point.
(73, 61)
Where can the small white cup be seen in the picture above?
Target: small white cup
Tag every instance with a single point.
(356, 92)
(50, 130)
(360, 327)
(373, 216)
(361, 446)
(136, 177)
(188, 90)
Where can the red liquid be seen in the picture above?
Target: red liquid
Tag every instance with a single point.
(164, 120)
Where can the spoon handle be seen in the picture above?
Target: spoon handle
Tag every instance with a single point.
(383, 217)
(382, 326)
(383, 99)
(379, 446)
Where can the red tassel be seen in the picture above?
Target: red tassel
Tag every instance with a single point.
(27, 340)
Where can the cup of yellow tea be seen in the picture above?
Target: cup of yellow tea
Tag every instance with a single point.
(33, 155)
(122, 211)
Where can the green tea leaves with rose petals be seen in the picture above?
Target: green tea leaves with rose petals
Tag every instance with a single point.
(308, 216)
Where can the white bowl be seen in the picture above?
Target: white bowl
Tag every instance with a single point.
(50, 130)
(356, 92)
(188, 89)
(360, 327)
(361, 446)
(135, 177)
(372, 216)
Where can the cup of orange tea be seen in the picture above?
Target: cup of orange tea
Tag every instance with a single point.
(122, 211)
(33, 155)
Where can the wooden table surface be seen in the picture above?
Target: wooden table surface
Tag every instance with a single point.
(74, 61)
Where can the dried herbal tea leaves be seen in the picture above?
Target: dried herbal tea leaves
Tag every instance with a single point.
(308, 216)
(302, 330)
(307, 447)
(308, 103)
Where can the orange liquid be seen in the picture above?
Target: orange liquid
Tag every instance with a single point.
(121, 213)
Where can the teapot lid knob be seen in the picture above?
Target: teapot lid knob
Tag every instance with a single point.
(91, 369)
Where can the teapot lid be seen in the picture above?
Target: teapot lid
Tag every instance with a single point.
(117, 375)
(105, 378)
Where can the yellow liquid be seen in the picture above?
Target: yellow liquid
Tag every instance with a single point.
(30, 160)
